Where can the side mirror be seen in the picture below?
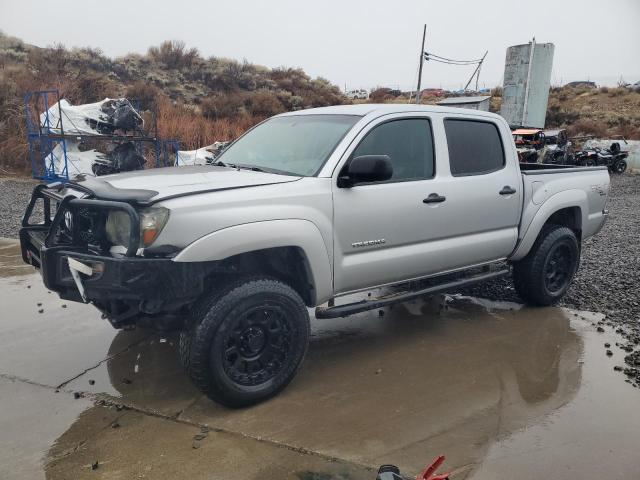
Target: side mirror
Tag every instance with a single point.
(366, 168)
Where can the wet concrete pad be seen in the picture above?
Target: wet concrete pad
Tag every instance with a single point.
(503, 392)
(56, 345)
(145, 446)
(146, 375)
(31, 419)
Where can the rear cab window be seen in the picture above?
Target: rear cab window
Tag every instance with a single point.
(475, 147)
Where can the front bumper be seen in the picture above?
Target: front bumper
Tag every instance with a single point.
(125, 287)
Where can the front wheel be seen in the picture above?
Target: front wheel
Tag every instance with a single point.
(544, 275)
(246, 343)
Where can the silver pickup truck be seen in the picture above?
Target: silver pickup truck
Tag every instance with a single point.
(302, 210)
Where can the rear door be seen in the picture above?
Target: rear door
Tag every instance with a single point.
(483, 188)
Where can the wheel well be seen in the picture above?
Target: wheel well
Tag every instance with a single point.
(287, 264)
(569, 217)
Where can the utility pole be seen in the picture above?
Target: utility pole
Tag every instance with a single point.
(424, 34)
(476, 71)
(479, 67)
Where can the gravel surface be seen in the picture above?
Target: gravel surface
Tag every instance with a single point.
(607, 282)
(14, 197)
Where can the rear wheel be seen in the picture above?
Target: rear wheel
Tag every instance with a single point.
(248, 343)
(620, 166)
(544, 275)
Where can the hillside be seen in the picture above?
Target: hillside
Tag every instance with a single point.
(201, 100)
(198, 100)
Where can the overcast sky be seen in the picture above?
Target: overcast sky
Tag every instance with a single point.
(357, 43)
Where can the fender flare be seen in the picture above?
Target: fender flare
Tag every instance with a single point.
(565, 199)
(249, 237)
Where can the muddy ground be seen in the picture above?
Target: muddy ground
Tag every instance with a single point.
(502, 391)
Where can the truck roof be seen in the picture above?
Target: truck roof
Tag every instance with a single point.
(379, 109)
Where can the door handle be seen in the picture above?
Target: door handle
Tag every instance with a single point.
(434, 198)
(507, 190)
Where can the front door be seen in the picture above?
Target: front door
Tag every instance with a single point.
(381, 227)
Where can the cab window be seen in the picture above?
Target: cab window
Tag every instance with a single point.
(407, 142)
(475, 147)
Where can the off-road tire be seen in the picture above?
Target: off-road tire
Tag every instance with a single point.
(184, 348)
(531, 274)
(223, 322)
(186, 333)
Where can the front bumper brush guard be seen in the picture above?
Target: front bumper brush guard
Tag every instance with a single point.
(70, 203)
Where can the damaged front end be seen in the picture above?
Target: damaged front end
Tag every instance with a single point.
(91, 249)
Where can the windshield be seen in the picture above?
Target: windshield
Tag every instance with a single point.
(297, 144)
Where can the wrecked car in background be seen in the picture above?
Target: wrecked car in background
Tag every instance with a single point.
(302, 210)
(529, 141)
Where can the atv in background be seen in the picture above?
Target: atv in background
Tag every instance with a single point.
(613, 158)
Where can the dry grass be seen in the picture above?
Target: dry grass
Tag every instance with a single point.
(193, 130)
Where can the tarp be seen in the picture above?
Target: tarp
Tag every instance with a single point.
(77, 162)
(123, 157)
(97, 118)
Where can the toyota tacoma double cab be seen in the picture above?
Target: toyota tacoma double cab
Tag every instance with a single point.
(302, 210)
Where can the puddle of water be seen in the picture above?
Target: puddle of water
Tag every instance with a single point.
(11, 264)
(595, 435)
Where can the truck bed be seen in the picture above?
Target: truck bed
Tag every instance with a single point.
(581, 191)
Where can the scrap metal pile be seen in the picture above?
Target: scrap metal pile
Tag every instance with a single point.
(115, 121)
(102, 120)
(99, 118)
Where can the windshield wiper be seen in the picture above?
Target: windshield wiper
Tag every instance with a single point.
(218, 163)
(250, 167)
(253, 168)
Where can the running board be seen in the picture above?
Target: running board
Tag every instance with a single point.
(364, 305)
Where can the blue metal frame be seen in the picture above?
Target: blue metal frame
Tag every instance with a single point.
(39, 137)
(167, 146)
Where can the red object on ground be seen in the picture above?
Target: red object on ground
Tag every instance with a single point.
(429, 473)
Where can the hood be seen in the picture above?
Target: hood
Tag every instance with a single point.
(153, 185)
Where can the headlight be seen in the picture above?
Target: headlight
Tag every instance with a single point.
(152, 220)
(118, 227)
